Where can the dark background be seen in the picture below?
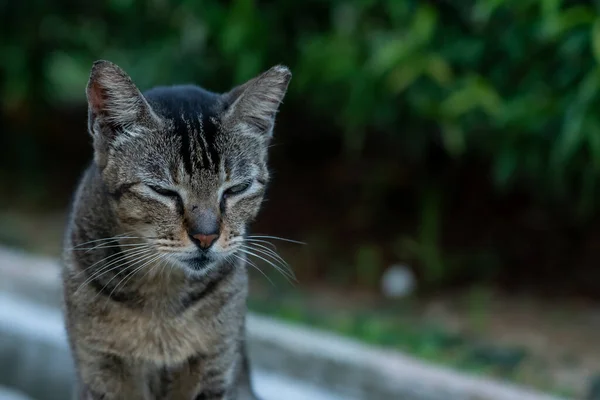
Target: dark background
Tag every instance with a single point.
(459, 138)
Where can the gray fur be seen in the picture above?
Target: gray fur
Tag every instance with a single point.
(149, 314)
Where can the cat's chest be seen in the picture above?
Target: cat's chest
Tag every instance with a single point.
(153, 337)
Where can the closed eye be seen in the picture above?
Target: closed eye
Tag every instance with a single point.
(237, 189)
(164, 192)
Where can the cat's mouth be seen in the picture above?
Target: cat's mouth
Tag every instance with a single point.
(199, 261)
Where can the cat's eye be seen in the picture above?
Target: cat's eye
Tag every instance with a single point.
(164, 192)
(237, 189)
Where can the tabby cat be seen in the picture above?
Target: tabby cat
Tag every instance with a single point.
(155, 279)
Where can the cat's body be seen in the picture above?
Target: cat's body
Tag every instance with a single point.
(155, 280)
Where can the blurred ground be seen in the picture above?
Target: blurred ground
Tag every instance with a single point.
(35, 357)
(549, 344)
(6, 394)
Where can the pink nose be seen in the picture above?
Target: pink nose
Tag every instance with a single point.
(205, 241)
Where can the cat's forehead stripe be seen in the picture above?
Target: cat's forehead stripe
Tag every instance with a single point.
(193, 113)
(209, 136)
(185, 147)
(204, 143)
(197, 147)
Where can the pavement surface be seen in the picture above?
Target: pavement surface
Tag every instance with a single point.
(39, 323)
(7, 394)
(294, 362)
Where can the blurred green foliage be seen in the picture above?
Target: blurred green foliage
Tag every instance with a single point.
(511, 81)
(511, 84)
(399, 328)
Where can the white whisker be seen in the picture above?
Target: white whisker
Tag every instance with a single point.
(283, 272)
(267, 251)
(121, 253)
(132, 258)
(249, 262)
(101, 246)
(143, 261)
(275, 257)
(259, 241)
(160, 257)
(276, 238)
(107, 239)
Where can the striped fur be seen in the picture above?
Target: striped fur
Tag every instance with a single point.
(149, 313)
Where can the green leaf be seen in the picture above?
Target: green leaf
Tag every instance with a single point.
(454, 139)
(67, 75)
(593, 141)
(388, 53)
(482, 11)
(476, 93)
(403, 76)
(120, 5)
(424, 24)
(595, 33)
(438, 69)
(554, 27)
(571, 136)
(550, 7)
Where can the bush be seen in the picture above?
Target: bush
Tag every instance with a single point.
(512, 81)
(509, 84)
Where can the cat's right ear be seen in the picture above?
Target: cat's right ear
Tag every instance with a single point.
(116, 108)
(252, 106)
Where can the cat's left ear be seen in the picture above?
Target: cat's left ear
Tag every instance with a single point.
(117, 109)
(251, 107)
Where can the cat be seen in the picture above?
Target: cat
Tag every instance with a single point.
(155, 281)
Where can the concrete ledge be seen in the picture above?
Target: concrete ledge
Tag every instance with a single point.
(365, 372)
(6, 394)
(28, 276)
(349, 368)
(34, 358)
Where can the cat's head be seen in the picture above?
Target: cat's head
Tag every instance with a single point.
(185, 169)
